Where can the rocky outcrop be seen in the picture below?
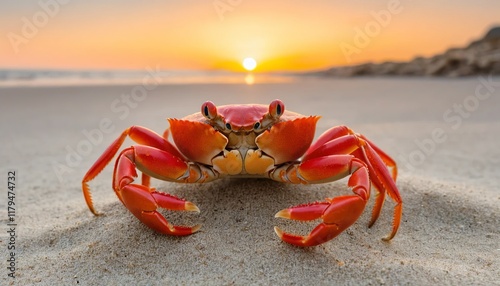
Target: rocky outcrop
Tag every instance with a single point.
(480, 57)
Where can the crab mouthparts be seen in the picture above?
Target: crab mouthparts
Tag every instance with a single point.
(241, 140)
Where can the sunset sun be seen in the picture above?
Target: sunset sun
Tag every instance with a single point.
(249, 64)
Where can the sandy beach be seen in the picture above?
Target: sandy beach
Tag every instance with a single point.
(444, 134)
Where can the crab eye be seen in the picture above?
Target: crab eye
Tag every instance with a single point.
(276, 108)
(228, 126)
(256, 125)
(209, 110)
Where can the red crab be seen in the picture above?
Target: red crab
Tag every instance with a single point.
(251, 140)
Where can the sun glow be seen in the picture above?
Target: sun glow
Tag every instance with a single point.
(249, 64)
(249, 79)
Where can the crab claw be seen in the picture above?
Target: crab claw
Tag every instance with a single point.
(337, 214)
(143, 202)
(302, 213)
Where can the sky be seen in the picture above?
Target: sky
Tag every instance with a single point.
(292, 35)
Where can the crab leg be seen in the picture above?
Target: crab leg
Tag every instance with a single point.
(342, 140)
(140, 135)
(159, 159)
(339, 131)
(388, 161)
(384, 183)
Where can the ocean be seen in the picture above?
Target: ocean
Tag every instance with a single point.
(42, 77)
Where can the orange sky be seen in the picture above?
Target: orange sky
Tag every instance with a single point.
(288, 35)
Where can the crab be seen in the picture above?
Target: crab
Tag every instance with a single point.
(254, 141)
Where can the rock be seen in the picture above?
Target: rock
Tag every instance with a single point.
(492, 34)
(479, 57)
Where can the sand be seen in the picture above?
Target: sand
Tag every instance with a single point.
(448, 180)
